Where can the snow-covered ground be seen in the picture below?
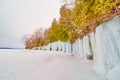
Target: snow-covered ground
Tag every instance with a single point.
(44, 65)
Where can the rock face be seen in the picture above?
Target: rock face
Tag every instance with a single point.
(102, 46)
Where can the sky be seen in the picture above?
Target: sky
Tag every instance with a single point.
(20, 17)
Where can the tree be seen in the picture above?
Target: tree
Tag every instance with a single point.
(35, 40)
(53, 31)
(74, 22)
(87, 14)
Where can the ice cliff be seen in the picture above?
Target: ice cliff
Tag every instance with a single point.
(102, 45)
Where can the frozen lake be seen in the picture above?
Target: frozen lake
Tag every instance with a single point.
(44, 65)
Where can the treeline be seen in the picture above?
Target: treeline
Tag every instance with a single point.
(77, 19)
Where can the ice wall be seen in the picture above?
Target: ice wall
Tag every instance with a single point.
(105, 46)
(74, 47)
(47, 47)
(77, 47)
(102, 45)
(80, 47)
(87, 49)
(63, 46)
(54, 46)
(68, 47)
(57, 46)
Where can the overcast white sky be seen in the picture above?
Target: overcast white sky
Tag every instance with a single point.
(19, 17)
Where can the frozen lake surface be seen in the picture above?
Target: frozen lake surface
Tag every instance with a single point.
(44, 65)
